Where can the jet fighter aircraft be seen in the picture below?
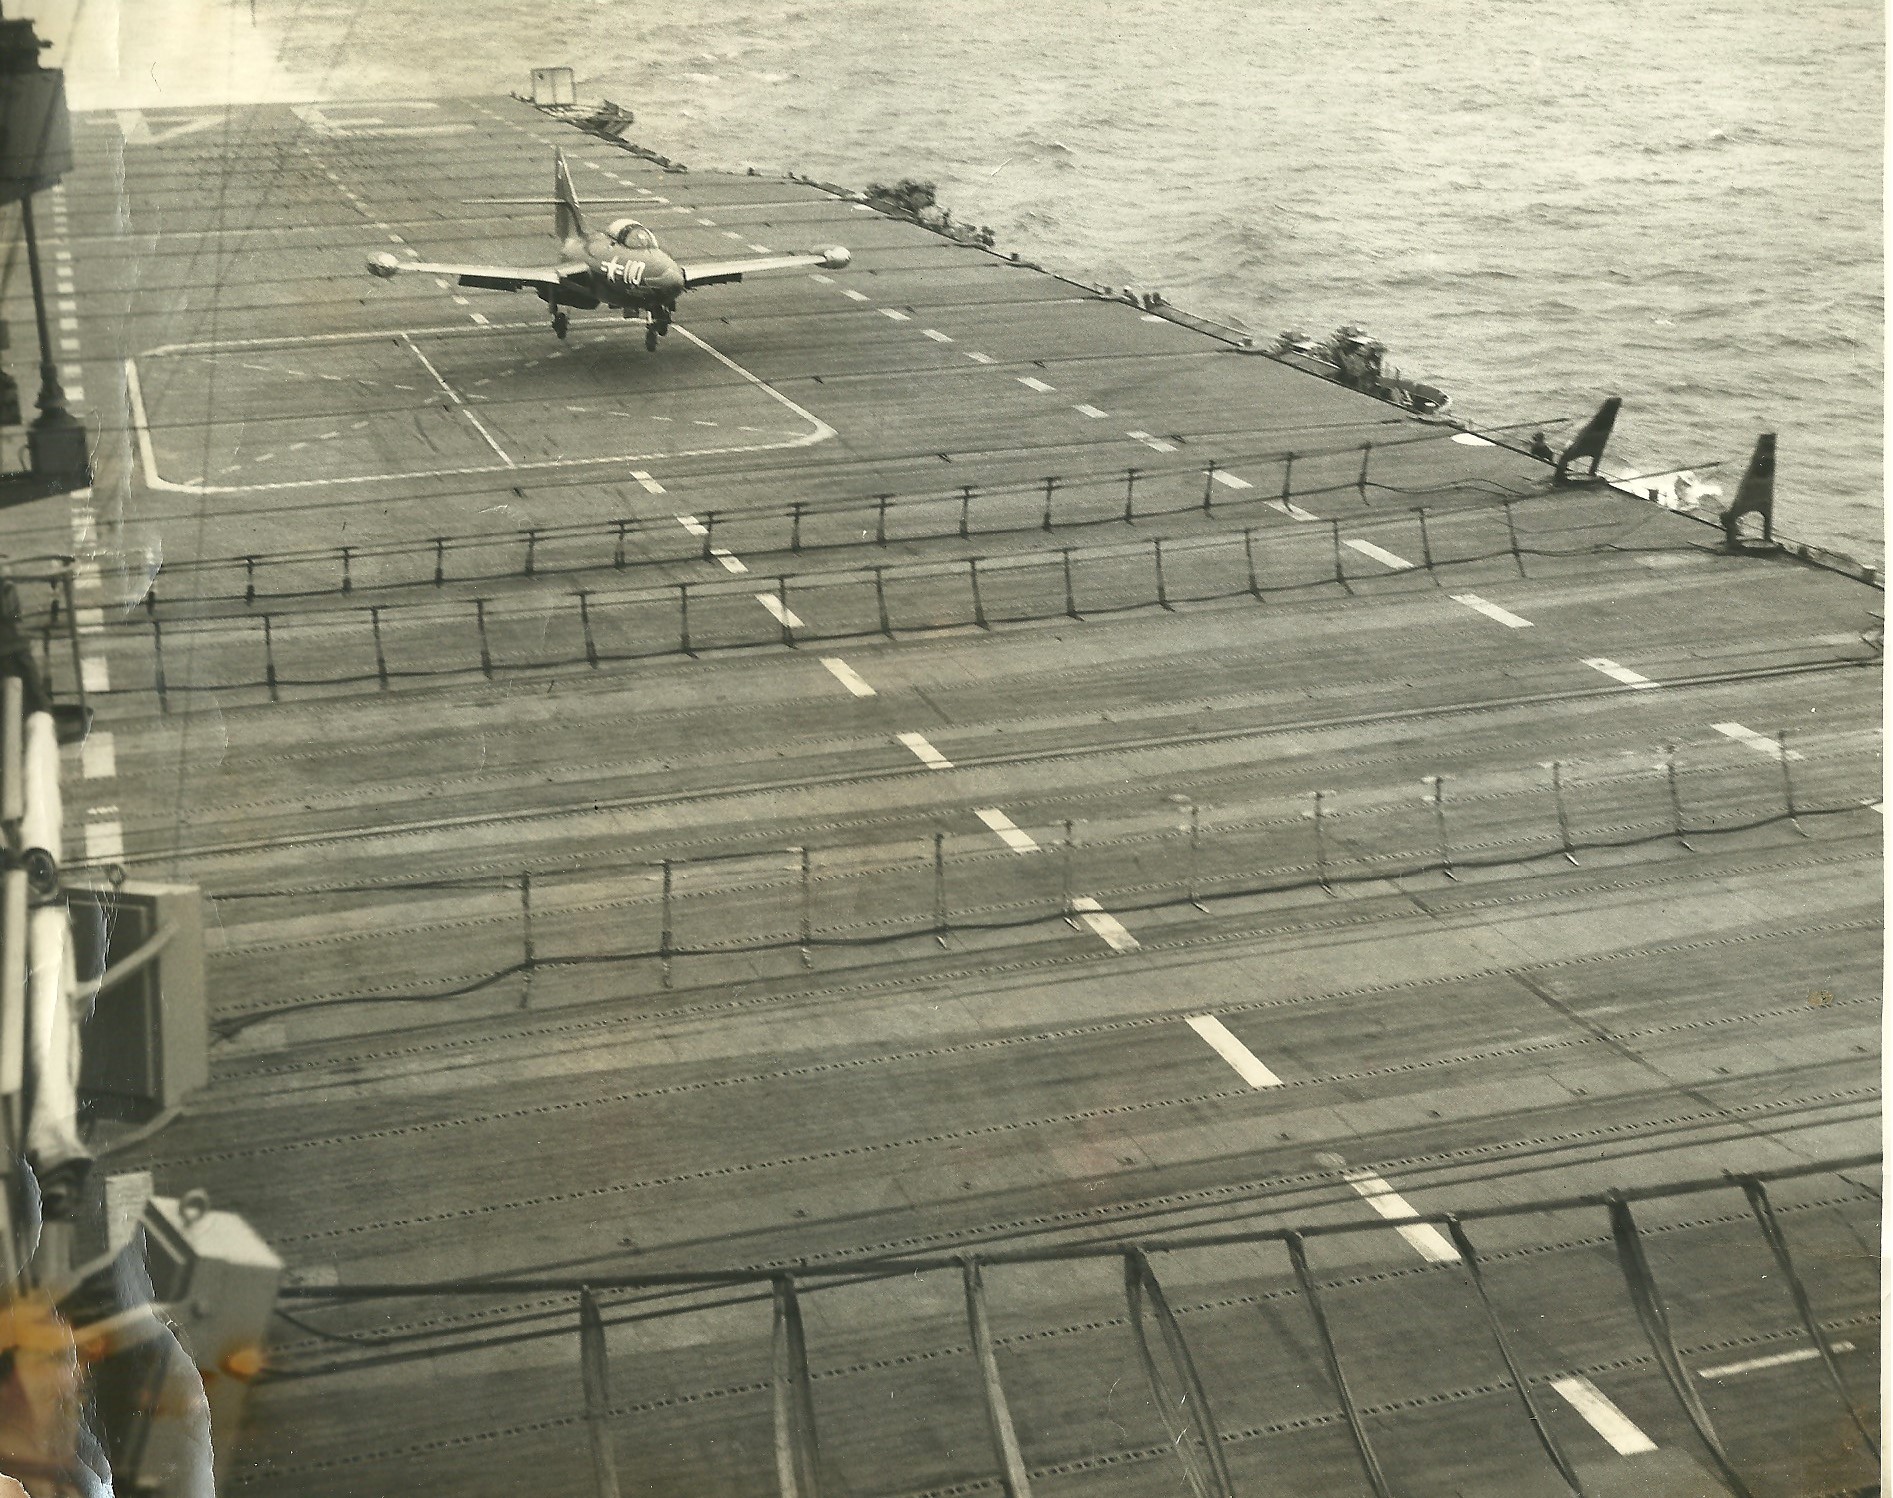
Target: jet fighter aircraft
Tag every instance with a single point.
(622, 267)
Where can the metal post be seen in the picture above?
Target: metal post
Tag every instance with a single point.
(1564, 825)
(585, 623)
(1050, 485)
(1438, 783)
(1288, 477)
(617, 555)
(486, 655)
(939, 888)
(880, 518)
(1321, 846)
(1015, 1481)
(1064, 907)
(1787, 780)
(1071, 596)
(1426, 544)
(157, 665)
(782, 600)
(1511, 530)
(808, 911)
(348, 568)
(966, 509)
(795, 527)
(1209, 485)
(1367, 454)
(529, 957)
(1130, 496)
(1156, 552)
(1195, 846)
(249, 579)
(709, 533)
(269, 659)
(440, 560)
(1331, 1357)
(880, 601)
(664, 931)
(532, 548)
(1248, 557)
(52, 395)
(381, 658)
(1676, 796)
(1340, 567)
(683, 620)
(979, 605)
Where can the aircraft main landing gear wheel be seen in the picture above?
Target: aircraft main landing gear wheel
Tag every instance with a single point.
(560, 322)
(650, 338)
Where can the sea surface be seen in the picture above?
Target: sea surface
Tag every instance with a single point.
(1534, 206)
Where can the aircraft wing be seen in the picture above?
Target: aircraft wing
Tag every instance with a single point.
(719, 272)
(492, 277)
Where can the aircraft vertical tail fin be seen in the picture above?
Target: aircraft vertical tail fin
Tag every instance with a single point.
(566, 219)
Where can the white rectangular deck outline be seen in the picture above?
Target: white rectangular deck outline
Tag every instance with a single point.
(1380, 554)
(783, 615)
(1616, 672)
(1289, 508)
(820, 431)
(1007, 830)
(1602, 1416)
(454, 396)
(1774, 1360)
(1232, 1050)
(1104, 924)
(847, 676)
(1491, 610)
(1428, 1241)
(917, 745)
(1759, 742)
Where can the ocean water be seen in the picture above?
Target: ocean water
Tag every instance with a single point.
(1534, 206)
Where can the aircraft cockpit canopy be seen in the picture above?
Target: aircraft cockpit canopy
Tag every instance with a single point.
(632, 235)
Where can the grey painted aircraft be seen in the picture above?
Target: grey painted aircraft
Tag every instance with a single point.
(621, 267)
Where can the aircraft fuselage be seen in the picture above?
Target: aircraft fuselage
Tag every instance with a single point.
(642, 278)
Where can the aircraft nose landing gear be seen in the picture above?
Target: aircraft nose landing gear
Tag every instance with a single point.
(656, 328)
(650, 338)
(560, 322)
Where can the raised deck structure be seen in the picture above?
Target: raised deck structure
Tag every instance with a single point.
(932, 762)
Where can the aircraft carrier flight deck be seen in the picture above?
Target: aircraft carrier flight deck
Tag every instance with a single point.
(744, 876)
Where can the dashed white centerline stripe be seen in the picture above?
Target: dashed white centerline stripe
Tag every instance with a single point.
(1289, 508)
(1616, 672)
(1007, 830)
(1091, 411)
(104, 841)
(847, 676)
(1427, 1240)
(1380, 554)
(978, 358)
(1238, 1055)
(1031, 383)
(824, 280)
(935, 334)
(1225, 477)
(646, 482)
(1759, 742)
(695, 526)
(1775, 1360)
(783, 615)
(1155, 444)
(90, 621)
(1104, 924)
(1602, 1416)
(853, 295)
(760, 249)
(929, 756)
(479, 317)
(892, 315)
(98, 756)
(95, 674)
(1491, 610)
(731, 562)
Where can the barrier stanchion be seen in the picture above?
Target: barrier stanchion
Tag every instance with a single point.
(1163, 594)
(532, 552)
(1360, 483)
(966, 509)
(440, 560)
(1438, 784)
(249, 579)
(617, 553)
(808, 911)
(269, 659)
(381, 657)
(795, 528)
(880, 519)
(1051, 484)
(1426, 544)
(1248, 557)
(1340, 564)
(979, 604)
(782, 602)
(939, 888)
(1321, 844)
(1209, 485)
(683, 620)
(585, 624)
(528, 957)
(1064, 874)
(1675, 796)
(1288, 477)
(348, 568)
(1130, 496)
(157, 666)
(1071, 595)
(1784, 754)
(880, 602)
(486, 653)
(1511, 530)
(664, 939)
(1564, 825)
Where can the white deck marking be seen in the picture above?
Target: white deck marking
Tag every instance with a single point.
(892, 315)
(1225, 477)
(454, 396)
(978, 358)
(1007, 830)
(1155, 444)
(1602, 1416)
(731, 234)
(695, 526)
(104, 841)
(862, 208)
(1427, 1240)
(853, 295)
(935, 334)
(1759, 742)
(69, 324)
(98, 755)
(95, 674)
(773, 603)
(86, 577)
(847, 676)
(708, 223)
(1471, 439)
(1776, 1360)
(90, 621)
(1491, 610)
(1091, 411)
(760, 249)
(823, 280)
(1380, 554)
(731, 562)
(1233, 1051)
(1152, 317)
(1616, 672)
(1104, 924)
(929, 756)
(1032, 383)
(1289, 508)
(647, 483)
